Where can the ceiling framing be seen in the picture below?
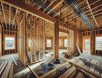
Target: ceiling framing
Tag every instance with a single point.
(92, 8)
(64, 13)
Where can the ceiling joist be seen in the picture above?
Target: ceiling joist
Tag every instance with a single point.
(85, 11)
(55, 6)
(3, 13)
(9, 16)
(49, 5)
(15, 16)
(74, 15)
(92, 13)
(71, 11)
(40, 6)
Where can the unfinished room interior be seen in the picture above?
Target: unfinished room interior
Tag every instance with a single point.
(50, 38)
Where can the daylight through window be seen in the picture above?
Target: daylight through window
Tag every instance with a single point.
(9, 43)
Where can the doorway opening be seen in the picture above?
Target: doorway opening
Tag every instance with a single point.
(86, 45)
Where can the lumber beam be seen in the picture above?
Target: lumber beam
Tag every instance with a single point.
(4, 16)
(61, 11)
(15, 17)
(44, 3)
(66, 15)
(92, 42)
(49, 5)
(9, 15)
(31, 10)
(56, 5)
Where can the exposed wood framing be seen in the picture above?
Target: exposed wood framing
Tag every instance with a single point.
(92, 47)
(85, 12)
(0, 40)
(7, 31)
(40, 6)
(61, 11)
(92, 13)
(56, 40)
(66, 15)
(44, 36)
(55, 6)
(31, 10)
(3, 13)
(15, 16)
(20, 22)
(83, 9)
(49, 5)
(9, 15)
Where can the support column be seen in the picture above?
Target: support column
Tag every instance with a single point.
(21, 42)
(79, 40)
(92, 42)
(27, 59)
(78, 43)
(68, 44)
(0, 40)
(75, 41)
(56, 40)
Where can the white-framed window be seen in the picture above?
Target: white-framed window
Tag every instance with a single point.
(98, 43)
(49, 43)
(9, 43)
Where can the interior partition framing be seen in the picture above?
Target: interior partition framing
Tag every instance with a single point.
(92, 35)
(19, 5)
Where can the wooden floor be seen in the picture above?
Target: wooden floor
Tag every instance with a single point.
(22, 71)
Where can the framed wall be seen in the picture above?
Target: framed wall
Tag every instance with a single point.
(86, 43)
(97, 40)
(10, 44)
